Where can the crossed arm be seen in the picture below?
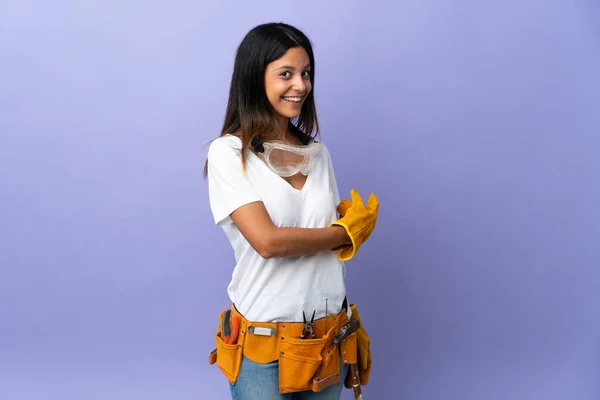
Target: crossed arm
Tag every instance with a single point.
(270, 241)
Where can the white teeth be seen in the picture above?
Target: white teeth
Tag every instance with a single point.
(295, 99)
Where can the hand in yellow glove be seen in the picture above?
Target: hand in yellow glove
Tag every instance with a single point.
(343, 207)
(358, 220)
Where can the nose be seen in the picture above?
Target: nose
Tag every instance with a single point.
(299, 84)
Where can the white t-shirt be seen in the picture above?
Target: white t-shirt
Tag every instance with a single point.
(279, 288)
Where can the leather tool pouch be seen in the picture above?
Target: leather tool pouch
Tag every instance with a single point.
(299, 360)
(227, 356)
(304, 364)
(329, 371)
(308, 364)
(356, 349)
(349, 349)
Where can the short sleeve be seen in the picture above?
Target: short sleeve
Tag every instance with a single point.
(332, 181)
(228, 186)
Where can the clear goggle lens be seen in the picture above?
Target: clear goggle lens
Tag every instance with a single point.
(287, 160)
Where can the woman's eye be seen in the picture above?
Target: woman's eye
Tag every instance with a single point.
(288, 74)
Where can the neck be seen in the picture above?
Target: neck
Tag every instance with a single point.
(281, 131)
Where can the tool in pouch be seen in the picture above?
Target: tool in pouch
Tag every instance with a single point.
(356, 382)
(230, 327)
(308, 329)
(345, 331)
(264, 342)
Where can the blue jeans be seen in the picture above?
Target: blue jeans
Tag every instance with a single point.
(261, 382)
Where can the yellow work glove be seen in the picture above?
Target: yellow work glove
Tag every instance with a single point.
(358, 220)
(343, 207)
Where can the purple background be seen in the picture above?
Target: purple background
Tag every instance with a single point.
(476, 124)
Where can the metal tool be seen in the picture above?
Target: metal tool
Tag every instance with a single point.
(356, 382)
(225, 329)
(308, 329)
(230, 327)
(346, 330)
(326, 314)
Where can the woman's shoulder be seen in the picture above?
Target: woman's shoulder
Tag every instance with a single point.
(324, 148)
(225, 143)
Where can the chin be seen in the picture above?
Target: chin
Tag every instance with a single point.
(288, 114)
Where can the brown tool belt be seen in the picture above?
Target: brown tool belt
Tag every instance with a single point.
(304, 364)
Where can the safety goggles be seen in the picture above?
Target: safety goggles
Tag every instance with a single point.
(288, 159)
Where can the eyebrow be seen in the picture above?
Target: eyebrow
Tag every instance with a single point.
(292, 68)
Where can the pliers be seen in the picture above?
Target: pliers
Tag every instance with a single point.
(230, 327)
(308, 327)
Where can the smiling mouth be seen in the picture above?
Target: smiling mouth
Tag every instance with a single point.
(293, 99)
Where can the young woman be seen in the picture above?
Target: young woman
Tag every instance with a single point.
(273, 190)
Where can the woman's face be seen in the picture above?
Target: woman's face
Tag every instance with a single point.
(287, 82)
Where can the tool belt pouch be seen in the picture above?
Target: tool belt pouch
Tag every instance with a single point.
(304, 364)
(228, 357)
(349, 349)
(329, 371)
(308, 364)
(356, 349)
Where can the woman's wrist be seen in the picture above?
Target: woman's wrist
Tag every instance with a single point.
(342, 235)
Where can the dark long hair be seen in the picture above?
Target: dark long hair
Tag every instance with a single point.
(249, 111)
